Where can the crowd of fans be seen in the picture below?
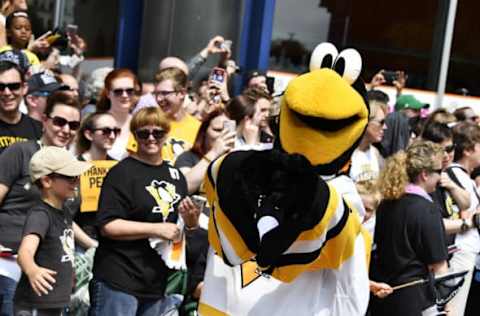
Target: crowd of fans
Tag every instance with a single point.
(147, 148)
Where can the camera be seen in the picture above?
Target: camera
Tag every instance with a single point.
(390, 76)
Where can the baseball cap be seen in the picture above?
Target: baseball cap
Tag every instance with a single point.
(51, 159)
(16, 57)
(43, 82)
(408, 101)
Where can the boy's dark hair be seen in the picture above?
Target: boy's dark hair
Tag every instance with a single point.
(377, 95)
(465, 136)
(62, 98)
(7, 65)
(437, 132)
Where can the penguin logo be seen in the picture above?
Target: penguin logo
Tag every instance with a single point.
(165, 196)
(68, 245)
(178, 146)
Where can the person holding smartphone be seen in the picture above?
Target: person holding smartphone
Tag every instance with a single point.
(212, 141)
(250, 111)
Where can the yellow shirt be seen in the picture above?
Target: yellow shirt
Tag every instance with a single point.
(32, 58)
(181, 137)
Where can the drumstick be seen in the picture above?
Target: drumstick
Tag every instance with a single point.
(411, 283)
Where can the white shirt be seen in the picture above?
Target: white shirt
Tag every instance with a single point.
(365, 164)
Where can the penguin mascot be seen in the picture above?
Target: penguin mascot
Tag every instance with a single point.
(285, 224)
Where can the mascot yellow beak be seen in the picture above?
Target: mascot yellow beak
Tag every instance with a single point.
(323, 118)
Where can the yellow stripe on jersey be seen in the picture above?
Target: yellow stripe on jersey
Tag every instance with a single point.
(341, 247)
(234, 238)
(207, 310)
(368, 243)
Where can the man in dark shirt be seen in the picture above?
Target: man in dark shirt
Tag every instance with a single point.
(14, 126)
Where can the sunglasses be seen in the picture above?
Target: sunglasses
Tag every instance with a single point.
(144, 134)
(439, 171)
(14, 86)
(61, 122)
(70, 179)
(119, 92)
(107, 131)
(381, 122)
(449, 148)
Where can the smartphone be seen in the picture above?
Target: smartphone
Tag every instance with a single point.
(270, 84)
(72, 29)
(230, 126)
(227, 45)
(199, 201)
(217, 75)
(390, 76)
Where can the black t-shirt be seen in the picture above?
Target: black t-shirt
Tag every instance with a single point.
(55, 252)
(86, 220)
(187, 159)
(26, 129)
(22, 196)
(444, 205)
(409, 235)
(136, 191)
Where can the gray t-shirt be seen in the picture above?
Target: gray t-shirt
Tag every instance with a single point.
(22, 196)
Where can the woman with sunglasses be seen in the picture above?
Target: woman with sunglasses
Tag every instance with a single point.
(17, 194)
(138, 201)
(409, 233)
(96, 136)
(118, 98)
(366, 159)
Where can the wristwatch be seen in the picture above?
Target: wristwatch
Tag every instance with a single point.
(464, 227)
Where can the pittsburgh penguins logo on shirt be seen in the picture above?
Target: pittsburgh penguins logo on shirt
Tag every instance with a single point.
(68, 245)
(178, 146)
(165, 196)
(249, 273)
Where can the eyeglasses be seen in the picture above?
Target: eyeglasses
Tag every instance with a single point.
(164, 93)
(70, 179)
(449, 149)
(144, 134)
(13, 86)
(61, 122)
(65, 87)
(119, 92)
(107, 131)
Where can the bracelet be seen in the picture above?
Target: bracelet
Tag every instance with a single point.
(207, 159)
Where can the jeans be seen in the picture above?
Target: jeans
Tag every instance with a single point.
(105, 301)
(7, 292)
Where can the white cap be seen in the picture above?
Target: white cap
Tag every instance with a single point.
(51, 159)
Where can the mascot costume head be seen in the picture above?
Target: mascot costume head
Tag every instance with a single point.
(265, 203)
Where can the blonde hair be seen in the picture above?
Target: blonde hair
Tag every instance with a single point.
(149, 116)
(406, 166)
(376, 106)
(369, 188)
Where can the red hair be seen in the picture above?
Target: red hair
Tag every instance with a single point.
(103, 105)
(200, 145)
